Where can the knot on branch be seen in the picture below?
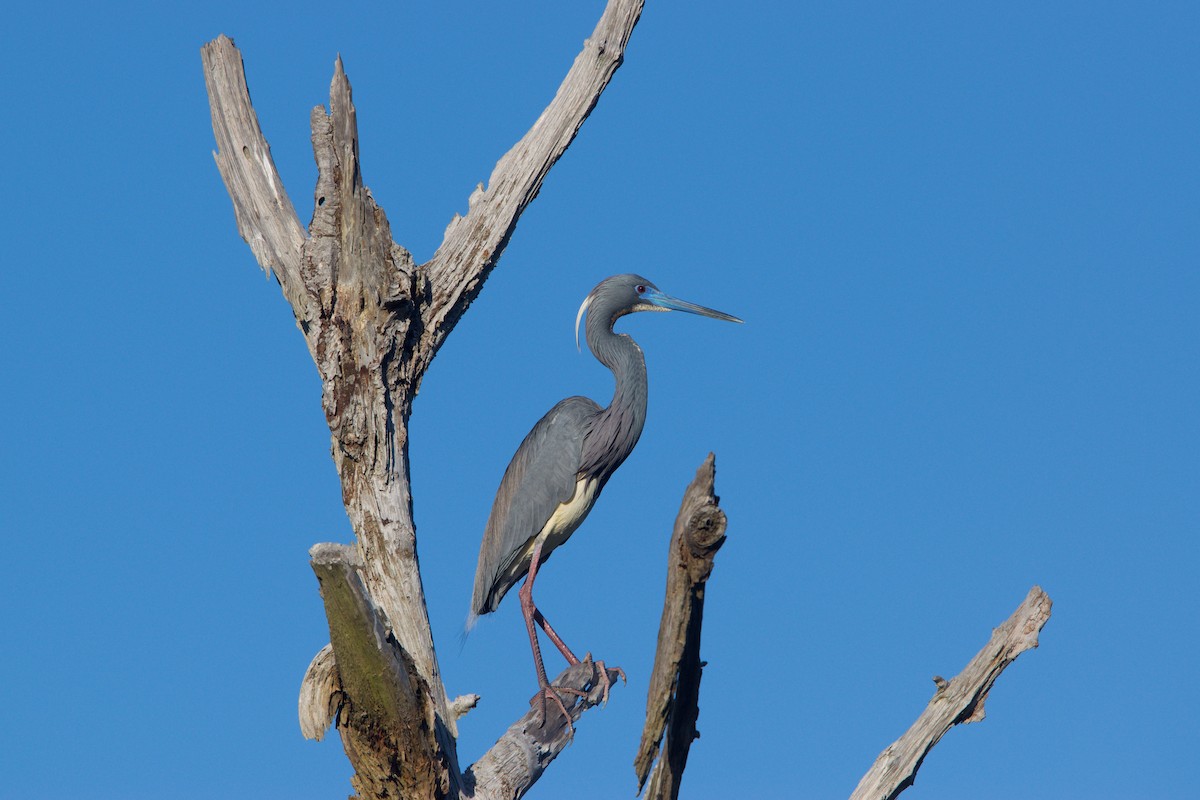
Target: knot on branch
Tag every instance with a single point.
(705, 531)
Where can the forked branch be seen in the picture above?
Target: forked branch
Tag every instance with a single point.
(373, 321)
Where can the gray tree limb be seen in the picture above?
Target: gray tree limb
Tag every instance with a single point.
(509, 769)
(956, 701)
(672, 702)
(264, 212)
(373, 321)
(472, 244)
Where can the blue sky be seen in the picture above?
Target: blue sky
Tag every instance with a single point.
(965, 243)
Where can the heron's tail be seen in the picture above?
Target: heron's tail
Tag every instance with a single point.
(472, 618)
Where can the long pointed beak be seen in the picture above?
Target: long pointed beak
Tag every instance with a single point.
(665, 301)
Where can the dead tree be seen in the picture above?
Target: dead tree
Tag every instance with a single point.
(373, 320)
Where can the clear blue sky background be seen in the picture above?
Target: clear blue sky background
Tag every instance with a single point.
(964, 239)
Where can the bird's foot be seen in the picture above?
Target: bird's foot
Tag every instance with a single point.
(604, 681)
(552, 693)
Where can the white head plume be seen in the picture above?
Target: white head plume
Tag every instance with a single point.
(586, 301)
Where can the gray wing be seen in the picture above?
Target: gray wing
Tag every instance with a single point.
(542, 474)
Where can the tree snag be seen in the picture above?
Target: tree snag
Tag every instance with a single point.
(672, 702)
(373, 320)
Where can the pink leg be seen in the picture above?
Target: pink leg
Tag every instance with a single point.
(529, 610)
(541, 620)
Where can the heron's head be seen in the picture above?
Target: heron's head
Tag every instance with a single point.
(624, 294)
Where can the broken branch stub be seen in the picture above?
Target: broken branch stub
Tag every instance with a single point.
(672, 702)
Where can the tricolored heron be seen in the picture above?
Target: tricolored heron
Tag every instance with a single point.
(564, 462)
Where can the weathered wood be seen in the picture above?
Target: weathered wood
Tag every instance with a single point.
(956, 701)
(265, 216)
(472, 244)
(373, 321)
(521, 755)
(364, 284)
(382, 717)
(320, 695)
(672, 702)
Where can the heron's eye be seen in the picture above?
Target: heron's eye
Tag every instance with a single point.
(640, 289)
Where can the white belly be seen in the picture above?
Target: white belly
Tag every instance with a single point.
(567, 516)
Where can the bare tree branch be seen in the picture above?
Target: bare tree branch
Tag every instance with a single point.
(472, 244)
(672, 703)
(959, 700)
(265, 216)
(518, 759)
(362, 283)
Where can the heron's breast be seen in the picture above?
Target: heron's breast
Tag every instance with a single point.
(568, 516)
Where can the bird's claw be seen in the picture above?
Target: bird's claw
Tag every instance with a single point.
(604, 681)
(552, 693)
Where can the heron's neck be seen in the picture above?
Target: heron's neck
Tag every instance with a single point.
(628, 366)
(626, 414)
